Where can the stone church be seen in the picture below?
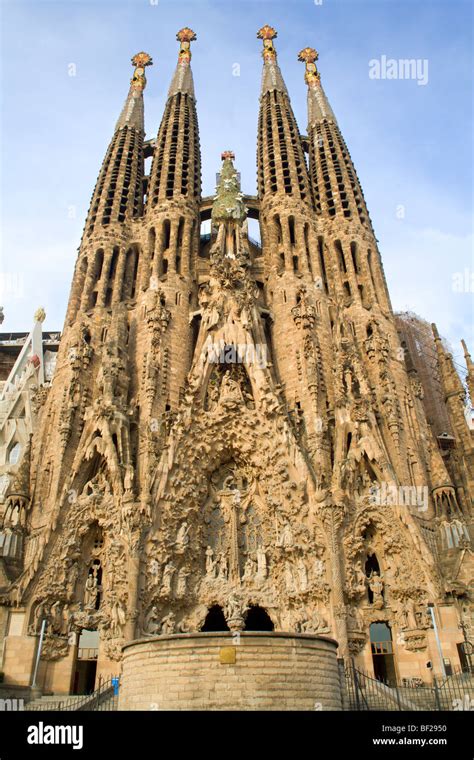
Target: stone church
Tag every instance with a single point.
(244, 469)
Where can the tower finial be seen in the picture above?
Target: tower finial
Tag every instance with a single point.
(268, 34)
(318, 105)
(309, 56)
(140, 61)
(185, 36)
(183, 79)
(272, 79)
(228, 154)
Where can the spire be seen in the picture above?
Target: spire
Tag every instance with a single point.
(336, 187)
(271, 75)
(454, 396)
(118, 194)
(280, 158)
(133, 113)
(183, 78)
(176, 167)
(470, 371)
(318, 104)
(452, 384)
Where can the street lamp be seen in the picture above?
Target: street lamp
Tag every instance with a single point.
(38, 653)
(438, 643)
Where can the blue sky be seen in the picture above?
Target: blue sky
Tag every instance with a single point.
(411, 144)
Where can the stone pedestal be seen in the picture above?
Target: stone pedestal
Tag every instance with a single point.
(222, 671)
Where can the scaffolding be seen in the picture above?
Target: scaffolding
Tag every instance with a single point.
(416, 338)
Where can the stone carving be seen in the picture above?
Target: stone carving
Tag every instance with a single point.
(167, 580)
(152, 624)
(302, 574)
(210, 563)
(222, 567)
(289, 578)
(219, 423)
(376, 585)
(168, 624)
(117, 618)
(285, 539)
(261, 563)
(355, 621)
(415, 641)
(249, 569)
(54, 647)
(181, 585)
(304, 313)
(319, 569)
(234, 613)
(182, 538)
(92, 589)
(314, 624)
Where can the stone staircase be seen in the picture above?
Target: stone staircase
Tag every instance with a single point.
(456, 692)
(104, 698)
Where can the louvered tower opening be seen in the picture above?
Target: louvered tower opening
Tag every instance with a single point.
(176, 166)
(281, 164)
(119, 190)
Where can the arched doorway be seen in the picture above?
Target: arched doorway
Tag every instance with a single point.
(215, 621)
(257, 619)
(86, 662)
(382, 653)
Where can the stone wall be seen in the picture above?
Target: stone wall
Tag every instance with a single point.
(219, 671)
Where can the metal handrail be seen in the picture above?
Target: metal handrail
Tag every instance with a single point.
(368, 693)
(87, 701)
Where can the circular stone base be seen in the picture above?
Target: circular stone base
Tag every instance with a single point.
(225, 671)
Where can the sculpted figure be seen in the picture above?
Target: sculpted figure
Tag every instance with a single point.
(302, 574)
(210, 563)
(65, 620)
(182, 538)
(154, 568)
(168, 624)
(167, 579)
(182, 582)
(233, 612)
(152, 621)
(359, 577)
(320, 569)
(354, 619)
(314, 624)
(117, 618)
(376, 586)
(289, 579)
(90, 591)
(261, 563)
(222, 566)
(55, 617)
(233, 607)
(248, 569)
(230, 388)
(39, 614)
(128, 477)
(286, 536)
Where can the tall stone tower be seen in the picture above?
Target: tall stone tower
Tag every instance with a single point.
(235, 442)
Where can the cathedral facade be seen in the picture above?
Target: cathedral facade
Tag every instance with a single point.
(238, 438)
